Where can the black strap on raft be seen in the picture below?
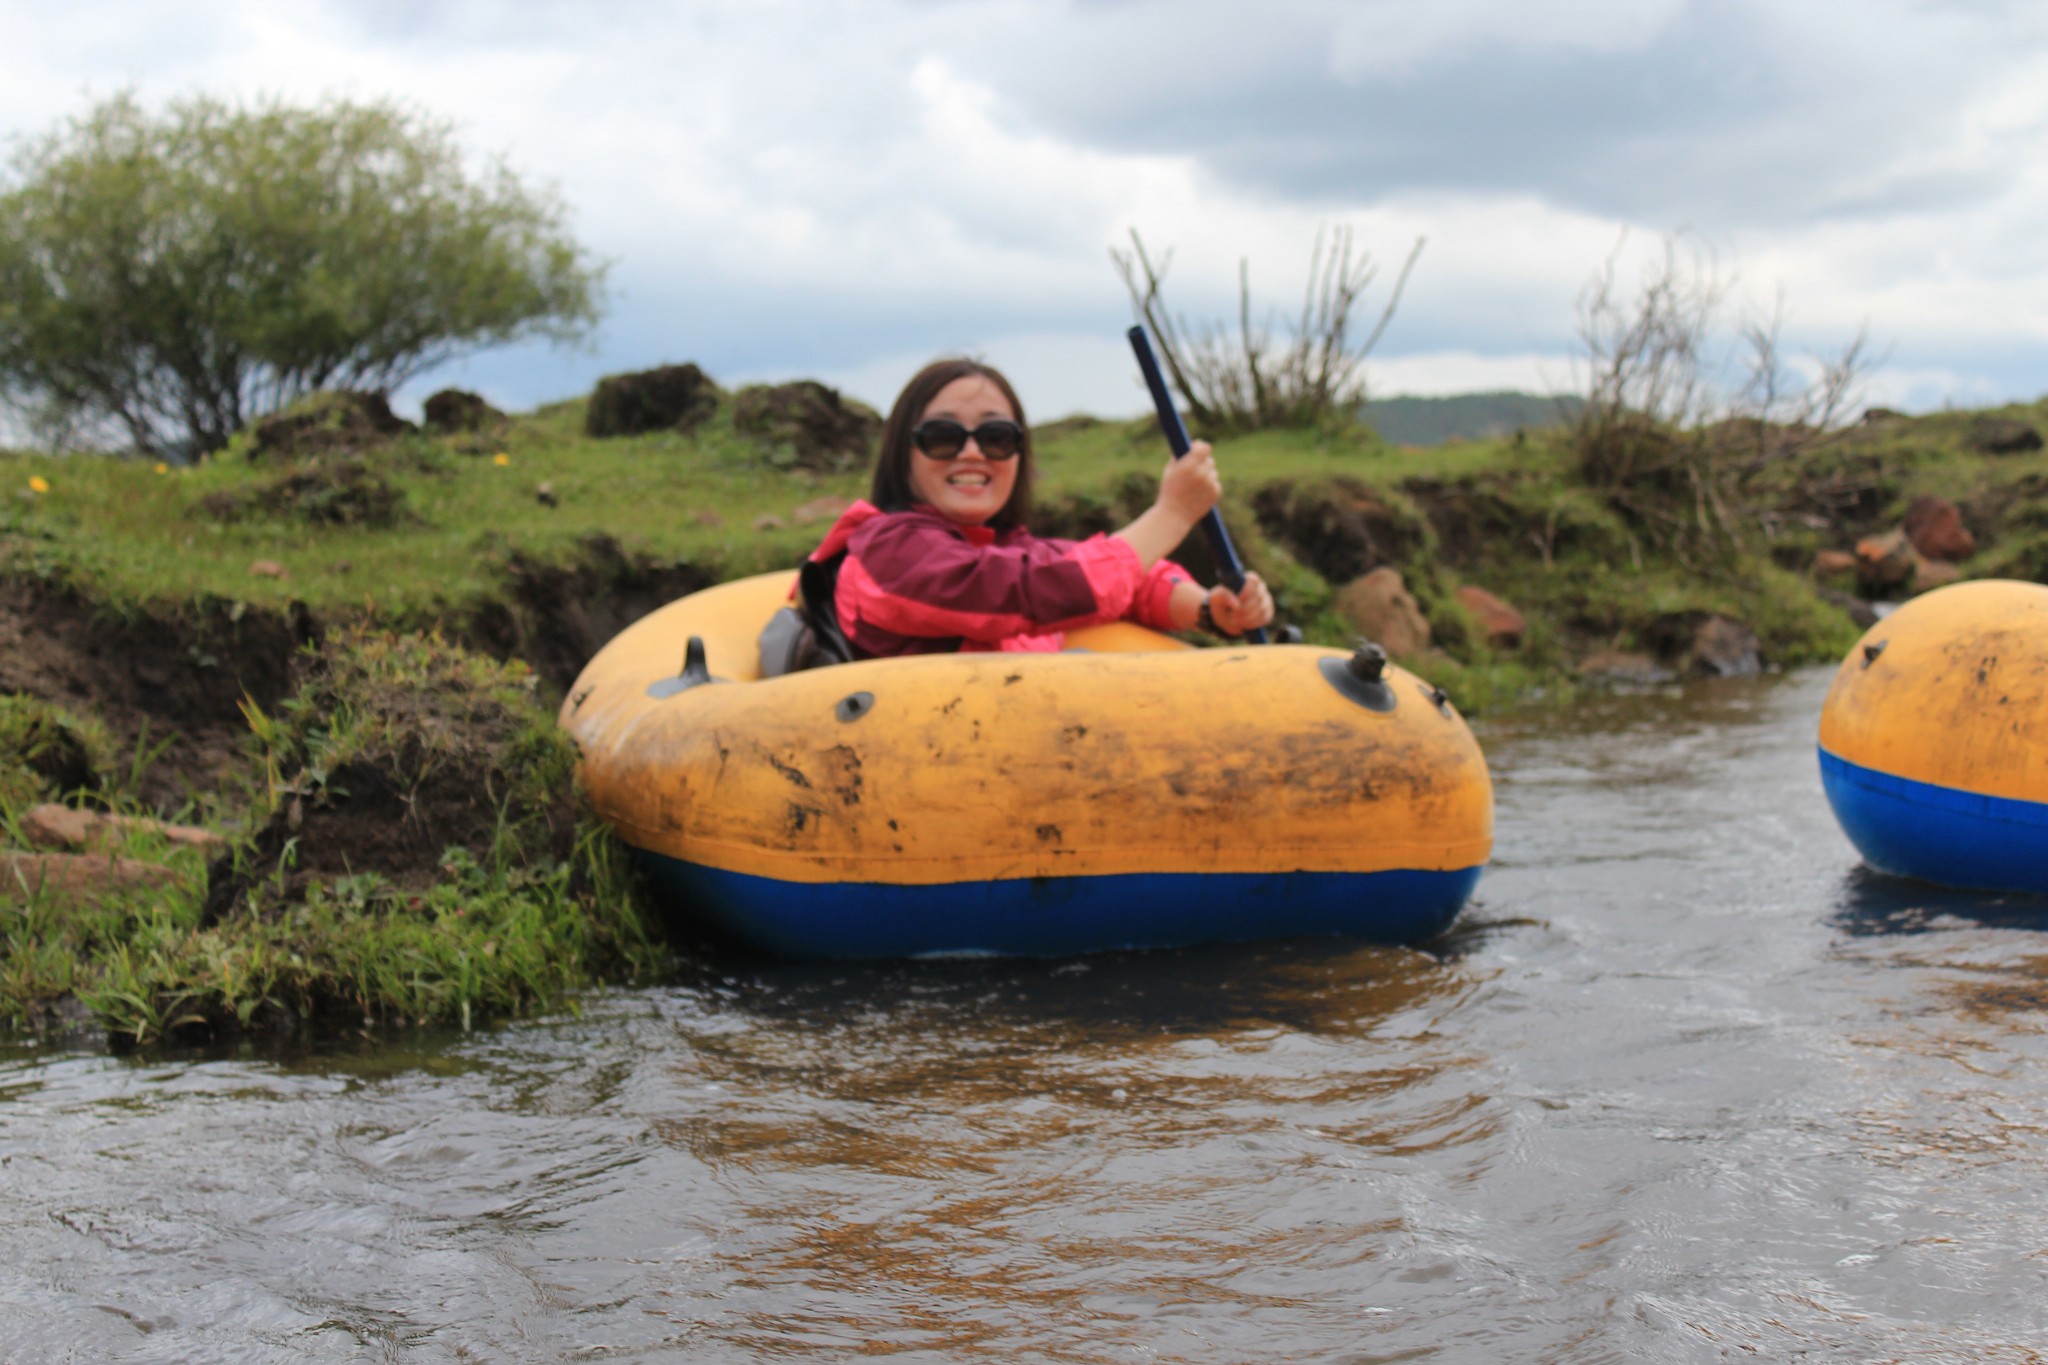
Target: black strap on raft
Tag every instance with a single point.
(816, 583)
(806, 634)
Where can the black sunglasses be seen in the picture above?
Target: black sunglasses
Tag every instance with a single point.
(943, 439)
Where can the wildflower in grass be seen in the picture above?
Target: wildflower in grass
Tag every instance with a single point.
(501, 459)
(162, 468)
(38, 484)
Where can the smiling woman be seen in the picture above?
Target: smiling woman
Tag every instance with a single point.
(939, 559)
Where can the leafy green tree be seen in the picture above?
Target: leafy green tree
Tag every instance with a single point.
(169, 276)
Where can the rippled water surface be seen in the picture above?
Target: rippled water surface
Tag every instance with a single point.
(1685, 1084)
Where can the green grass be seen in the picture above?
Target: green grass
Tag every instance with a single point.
(531, 901)
(486, 943)
(140, 540)
(129, 532)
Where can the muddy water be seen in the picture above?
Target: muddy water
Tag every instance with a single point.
(1685, 1085)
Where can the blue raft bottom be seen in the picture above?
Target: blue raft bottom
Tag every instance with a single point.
(1051, 916)
(1939, 834)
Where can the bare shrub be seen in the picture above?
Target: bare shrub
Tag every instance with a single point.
(1238, 381)
(1664, 432)
(1778, 413)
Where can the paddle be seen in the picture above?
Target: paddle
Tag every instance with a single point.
(1228, 565)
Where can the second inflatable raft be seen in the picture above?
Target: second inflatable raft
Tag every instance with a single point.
(1934, 738)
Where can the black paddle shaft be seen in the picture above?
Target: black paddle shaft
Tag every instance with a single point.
(1228, 565)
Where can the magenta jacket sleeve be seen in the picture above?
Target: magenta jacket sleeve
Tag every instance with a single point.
(1149, 603)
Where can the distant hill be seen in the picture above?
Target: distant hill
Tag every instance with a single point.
(1465, 416)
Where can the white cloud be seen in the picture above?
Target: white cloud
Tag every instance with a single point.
(844, 191)
(1057, 374)
(1924, 390)
(1384, 36)
(1441, 373)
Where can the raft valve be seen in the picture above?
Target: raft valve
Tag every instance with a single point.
(1362, 677)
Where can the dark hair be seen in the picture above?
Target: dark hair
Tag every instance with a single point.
(892, 490)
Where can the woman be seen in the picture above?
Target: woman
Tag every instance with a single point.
(939, 557)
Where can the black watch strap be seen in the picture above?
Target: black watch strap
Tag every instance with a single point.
(1208, 622)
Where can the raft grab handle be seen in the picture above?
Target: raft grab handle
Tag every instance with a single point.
(696, 672)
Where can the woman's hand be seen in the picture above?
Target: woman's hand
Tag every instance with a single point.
(1188, 488)
(1249, 608)
(1190, 485)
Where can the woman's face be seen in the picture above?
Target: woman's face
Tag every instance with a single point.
(969, 488)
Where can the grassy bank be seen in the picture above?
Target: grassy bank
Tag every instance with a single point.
(305, 652)
(406, 846)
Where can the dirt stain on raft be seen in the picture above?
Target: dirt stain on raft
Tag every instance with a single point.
(1331, 768)
(845, 781)
(790, 772)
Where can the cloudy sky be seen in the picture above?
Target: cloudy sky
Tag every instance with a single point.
(843, 190)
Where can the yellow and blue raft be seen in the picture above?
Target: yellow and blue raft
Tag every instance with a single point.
(1934, 739)
(1128, 792)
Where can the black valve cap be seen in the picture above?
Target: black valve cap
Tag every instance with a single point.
(1368, 662)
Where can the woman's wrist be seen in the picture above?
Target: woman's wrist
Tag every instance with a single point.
(1207, 619)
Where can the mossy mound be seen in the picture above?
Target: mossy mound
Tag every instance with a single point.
(2004, 434)
(455, 411)
(805, 425)
(667, 398)
(1339, 527)
(394, 750)
(163, 683)
(331, 422)
(343, 492)
(1497, 521)
(415, 851)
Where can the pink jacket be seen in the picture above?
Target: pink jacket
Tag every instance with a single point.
(915, 583)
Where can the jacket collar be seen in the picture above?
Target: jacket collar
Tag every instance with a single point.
(862, 512)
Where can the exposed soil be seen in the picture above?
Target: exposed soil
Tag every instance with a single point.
(396, 817)
(180, 677)
(151, 679)
(1338, 527)
(557, 618)
(430, 766)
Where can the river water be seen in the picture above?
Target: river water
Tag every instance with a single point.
(1685, 1084)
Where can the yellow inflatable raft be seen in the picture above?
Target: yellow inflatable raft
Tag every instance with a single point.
(1131, 791)
(1934, 738)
